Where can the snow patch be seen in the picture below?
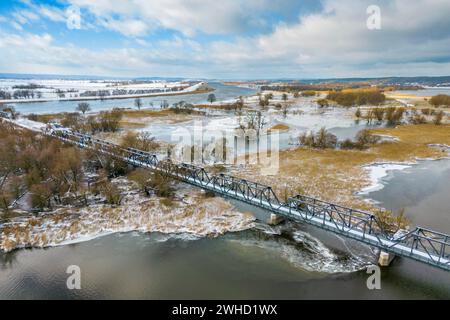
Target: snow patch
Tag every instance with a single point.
(377, 172)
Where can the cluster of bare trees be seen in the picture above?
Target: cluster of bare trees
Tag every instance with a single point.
(104, 121)
(8, 112)
(252, 120)
(23, 94)
(357, 97)
(392, 115)
(5, 95)
(421, 118)
(38, 166)
(323, 139)
(320, 140)
(41, 173)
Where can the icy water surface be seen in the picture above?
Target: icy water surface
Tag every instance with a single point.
(222, 93)
(290, 261)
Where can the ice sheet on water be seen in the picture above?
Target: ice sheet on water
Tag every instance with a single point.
(301, 249)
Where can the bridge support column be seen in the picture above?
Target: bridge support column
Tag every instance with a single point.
(275, 219)
(385, 259)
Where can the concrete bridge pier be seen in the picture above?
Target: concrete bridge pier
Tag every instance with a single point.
(385, 259)
(275, 219)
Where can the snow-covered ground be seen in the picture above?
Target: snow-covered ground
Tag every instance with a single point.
(47, 90)
(377, 172)
(192, 214)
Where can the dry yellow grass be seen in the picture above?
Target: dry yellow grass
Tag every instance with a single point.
(279, 127)
(45, 118)
(215, 106)
(129, 125)
(399, 95)
(336, 175)
(359, 90)
(146, 113)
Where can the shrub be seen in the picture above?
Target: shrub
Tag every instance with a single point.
(349, 144)
(72, 120)
(426, 111)
(109, 121)
(394, 115)
(5, 201)
(110, 191)
(161, 185)
(182, 107)
(40, 196)
(167, 202)
(437, 119)
(142, 178)
(364, 137)
(323, 103)
(321, 140)
(440, 100)
(308, 93)
(392, 222)
(149, 181)
(141, 141)
(357, 97)
(416, 118)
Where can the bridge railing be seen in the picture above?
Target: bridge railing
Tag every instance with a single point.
(434, 245)
(343, 217)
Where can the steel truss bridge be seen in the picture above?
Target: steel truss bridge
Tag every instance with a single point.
(420, 244)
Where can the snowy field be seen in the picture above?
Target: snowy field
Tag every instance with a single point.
(64, 90)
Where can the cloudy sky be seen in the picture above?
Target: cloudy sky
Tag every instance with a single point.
(232, 39)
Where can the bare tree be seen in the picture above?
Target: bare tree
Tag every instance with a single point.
(138, 103)
(164, 104)
(83, 107)
(212, 98)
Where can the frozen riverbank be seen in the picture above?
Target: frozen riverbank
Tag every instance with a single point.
(192, 214)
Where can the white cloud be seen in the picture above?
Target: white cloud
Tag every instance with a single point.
(52, 13)
(16, 25)
(185, 16)
(414, 40)
(30, 53)
(412, 33)
(24, 16)
(130, 28)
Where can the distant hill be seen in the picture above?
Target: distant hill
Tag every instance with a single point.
(422, 81)
(20, 76)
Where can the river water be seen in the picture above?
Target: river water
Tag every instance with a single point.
(427, 92)
(222, 93)
(290, 261)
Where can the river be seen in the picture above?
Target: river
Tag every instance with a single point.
(221, 91)
(290, 261)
